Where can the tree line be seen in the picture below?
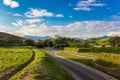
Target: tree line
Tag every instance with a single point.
(57, 42)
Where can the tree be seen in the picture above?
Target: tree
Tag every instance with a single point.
(29, 42)
(2, 42)
(61, 41)
(115, 41)
(40, 44)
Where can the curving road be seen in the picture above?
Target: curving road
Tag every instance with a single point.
(80, 71)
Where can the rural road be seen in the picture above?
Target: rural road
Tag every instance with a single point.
(80, 71)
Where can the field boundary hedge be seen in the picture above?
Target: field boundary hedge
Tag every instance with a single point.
(95, 49)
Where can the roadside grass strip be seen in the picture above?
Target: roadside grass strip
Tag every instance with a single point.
(43, 67)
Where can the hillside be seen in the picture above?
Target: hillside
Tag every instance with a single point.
(4, 35)
(9, 39)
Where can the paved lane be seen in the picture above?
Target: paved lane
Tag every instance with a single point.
(80, 71)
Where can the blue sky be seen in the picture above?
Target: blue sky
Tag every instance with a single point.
(70, 18)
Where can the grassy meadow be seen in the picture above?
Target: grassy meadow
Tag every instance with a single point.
(12, 59)
(14, 65)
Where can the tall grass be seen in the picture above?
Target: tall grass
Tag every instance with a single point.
(11, 60)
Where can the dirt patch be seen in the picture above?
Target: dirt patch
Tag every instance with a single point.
(28, 77)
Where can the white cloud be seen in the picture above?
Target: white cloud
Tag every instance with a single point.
(18, 23)
(32, 21)
(59, 15)
(70, 16)
(86, 5)
(15, 24)
(17, 15)
(77, 29)
(114, 33)
(91, 0)
(33, 13)
(11, 3)
(82, 8)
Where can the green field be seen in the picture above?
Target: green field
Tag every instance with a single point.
(109, 63)
(12, 59)
(13, 66)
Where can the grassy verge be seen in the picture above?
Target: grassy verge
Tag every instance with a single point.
(55, 71)
(44, 67)
(83, 60)
(90, 53)
(109, 63)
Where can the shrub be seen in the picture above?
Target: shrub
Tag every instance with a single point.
(79, 45)
(105, 49)
(84, 50)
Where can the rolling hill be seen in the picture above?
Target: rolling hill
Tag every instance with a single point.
(9, 39)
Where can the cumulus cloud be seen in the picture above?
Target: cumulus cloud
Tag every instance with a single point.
(59, 15)
(38, 13)
(86, 5)
(77, 29)
(114, 33)
(11, 3)
(18, 23)
(33, 13)
(32, 21)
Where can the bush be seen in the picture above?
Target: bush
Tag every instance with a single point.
(84, 50)
(105, 50)
(79, 45)
(95, 49)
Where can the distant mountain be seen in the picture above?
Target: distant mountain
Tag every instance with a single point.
(105, 36)
(38, 37)
(78, 38)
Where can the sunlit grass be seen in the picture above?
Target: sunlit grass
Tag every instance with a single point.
(11, 59)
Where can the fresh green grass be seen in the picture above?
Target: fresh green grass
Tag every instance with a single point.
(109, 63)
(44, 67)
(12, 59)
(83, 60)
(103, 41)
(112, 59)
(90, 53)
(71, 49)
(35, 70)
(55, 71)
(115, 50)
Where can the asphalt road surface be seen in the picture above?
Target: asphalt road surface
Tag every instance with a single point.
(80, 71)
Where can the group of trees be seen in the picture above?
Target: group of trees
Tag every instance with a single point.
(58, 41)
(115, 41)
